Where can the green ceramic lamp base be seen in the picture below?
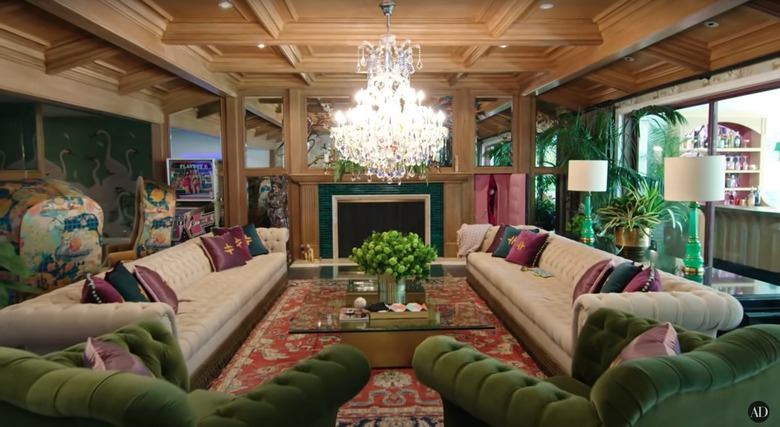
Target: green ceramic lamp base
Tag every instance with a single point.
(693, 262)
(587, 235)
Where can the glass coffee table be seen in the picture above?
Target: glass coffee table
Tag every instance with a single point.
(387, 342)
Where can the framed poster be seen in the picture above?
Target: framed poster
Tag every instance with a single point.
(193, 179)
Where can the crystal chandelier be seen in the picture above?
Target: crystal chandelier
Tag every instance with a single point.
(389, 132)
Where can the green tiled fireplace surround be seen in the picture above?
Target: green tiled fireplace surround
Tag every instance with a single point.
(325, 191)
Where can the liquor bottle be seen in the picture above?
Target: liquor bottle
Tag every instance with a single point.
(757, 198)
(737, 141)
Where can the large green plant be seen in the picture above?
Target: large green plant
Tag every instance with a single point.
(640, 206)
(14, 264)
(395, 254)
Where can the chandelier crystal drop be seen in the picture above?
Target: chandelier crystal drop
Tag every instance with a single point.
(389, 132)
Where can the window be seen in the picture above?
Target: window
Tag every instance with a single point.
(493, 131)
(264, 120)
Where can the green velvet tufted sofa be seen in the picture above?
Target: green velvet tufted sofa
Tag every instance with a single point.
(54, 390)
(713, 383)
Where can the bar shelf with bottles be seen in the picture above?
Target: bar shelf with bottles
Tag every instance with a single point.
(742, 147)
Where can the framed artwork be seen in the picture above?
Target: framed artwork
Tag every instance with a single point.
(193, 180)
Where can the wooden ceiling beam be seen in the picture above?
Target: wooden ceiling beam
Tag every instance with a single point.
(455, 78)
(770, 8)
(122, 25)
(441, 33)
(613, 79)
(75, 53)
(508, 15)
(291, 53)
(266, 111)
(186, 98)
(142, 79)
(473, 54)
(650, 22)
(346, 65)
(682, 51)
(208, 109)
(307, 78)
(269, 17)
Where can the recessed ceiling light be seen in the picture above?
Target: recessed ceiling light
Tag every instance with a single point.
(629, 58)
(225, 4)
(502, 46)
(711, 24)
(261, 45)
(546, 6)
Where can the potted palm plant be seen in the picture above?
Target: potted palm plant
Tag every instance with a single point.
(632, 216)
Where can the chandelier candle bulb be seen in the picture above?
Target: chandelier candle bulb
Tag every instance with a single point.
(390, 132)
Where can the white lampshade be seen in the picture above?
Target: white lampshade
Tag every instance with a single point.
(588, 175)
(694, 179)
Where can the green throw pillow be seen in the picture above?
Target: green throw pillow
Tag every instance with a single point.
(126, 284)
(621, 276)
(510, 233)
(253, 239)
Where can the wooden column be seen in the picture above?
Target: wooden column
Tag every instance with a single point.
(233, 162)
(453, 200)
(161, 149)
(310, 217)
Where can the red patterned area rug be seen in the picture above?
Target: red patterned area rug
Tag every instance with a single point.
(393, 397)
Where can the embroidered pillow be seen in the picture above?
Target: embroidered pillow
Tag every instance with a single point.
(496, 239)
(648, 280)
(256, 246)
(620, 277)
(239, 239)
(99, 291)
(588, 279)
(526, 248)
(222, 252)
(660, 340)
(126, 284)
(104, 356)
(156, 288)
(507, 239)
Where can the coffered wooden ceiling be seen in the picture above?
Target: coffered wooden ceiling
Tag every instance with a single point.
(183, 53)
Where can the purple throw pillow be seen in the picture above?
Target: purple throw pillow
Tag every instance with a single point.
(104, 356)
(239, 239)
(496, 239)
(588, 279)
(156, 288)
(648, 280)
(222, 252)
(527, 248)
(660, 340)
(99, 291)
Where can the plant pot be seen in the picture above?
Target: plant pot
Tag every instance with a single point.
(633, 243)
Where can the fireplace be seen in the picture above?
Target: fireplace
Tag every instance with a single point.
(342, 207)
(355, 217)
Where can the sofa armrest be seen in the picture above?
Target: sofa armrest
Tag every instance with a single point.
(35, 391)
(308, 394)
(47, 327)
(274, 239)
(494, 393)
(706, 311)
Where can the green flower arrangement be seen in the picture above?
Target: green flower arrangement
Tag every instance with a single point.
(394, 254)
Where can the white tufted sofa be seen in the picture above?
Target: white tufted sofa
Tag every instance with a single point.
(541, 313)
(213, 306)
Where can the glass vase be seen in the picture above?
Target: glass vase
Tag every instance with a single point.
(391, 291)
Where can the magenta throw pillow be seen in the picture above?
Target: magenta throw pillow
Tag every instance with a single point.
(589, 278)
(239, 239)
(104, 356)
(99, 291)
(527, 248)
(660, 340)
(602, 278)
(648, 280)
(222, 252)
(156, 288)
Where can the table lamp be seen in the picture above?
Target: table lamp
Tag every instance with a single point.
(587, 175)
(694, 180)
